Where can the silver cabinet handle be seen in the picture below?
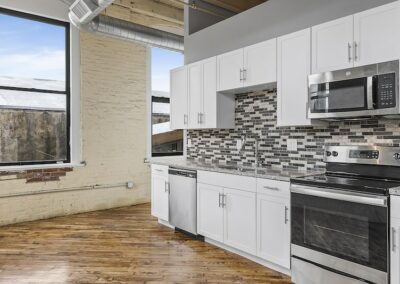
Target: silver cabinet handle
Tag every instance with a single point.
(393, 239)
(349, 51)
(223, 202)
(241, 74)
(244, 74)
(198, 118)
(219, 199)
(286, 214)
(158, 170)
(355, 51)
(185, 119)
(166, 186)
(201, 118)
(271, 188)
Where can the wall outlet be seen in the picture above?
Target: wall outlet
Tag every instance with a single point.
(130, 184)
(239, 143)
(292, 144)
(189, 142)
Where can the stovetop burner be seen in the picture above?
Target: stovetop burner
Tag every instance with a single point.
(351, 183)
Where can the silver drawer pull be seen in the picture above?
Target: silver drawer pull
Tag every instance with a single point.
(158, 170)
(393, 239)
(271, 188)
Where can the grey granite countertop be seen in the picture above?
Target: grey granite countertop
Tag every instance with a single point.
(267, 173)
(394, 191)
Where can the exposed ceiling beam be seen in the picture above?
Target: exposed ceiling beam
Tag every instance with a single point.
(151, 13)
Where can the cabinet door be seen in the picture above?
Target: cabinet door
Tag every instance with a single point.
(240, 220)
(332, 45)
(195, 81)
(210, 212)
(179, 98)
(159, 197)
(294, 51)
(273, 229)
(230, 67)
(376, 34)
(209, 116)
(260, 63)
(395, 251)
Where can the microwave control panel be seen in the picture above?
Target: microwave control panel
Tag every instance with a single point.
(386, 91)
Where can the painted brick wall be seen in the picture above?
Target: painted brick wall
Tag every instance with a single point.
(113, 75)
(256, 119)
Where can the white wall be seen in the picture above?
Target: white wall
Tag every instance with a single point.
(268, 20)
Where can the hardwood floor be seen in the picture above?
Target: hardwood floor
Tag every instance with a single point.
(123, 245)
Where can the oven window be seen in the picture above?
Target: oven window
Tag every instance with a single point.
(339, 233)
(352, 231)
(342, 96)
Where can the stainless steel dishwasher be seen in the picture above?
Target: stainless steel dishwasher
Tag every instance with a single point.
(183, 200)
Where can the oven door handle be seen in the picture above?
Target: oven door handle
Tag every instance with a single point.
(341, 195)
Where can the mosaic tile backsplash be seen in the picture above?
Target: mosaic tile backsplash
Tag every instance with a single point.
(256, 119)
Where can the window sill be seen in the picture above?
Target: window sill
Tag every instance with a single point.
(40, 167)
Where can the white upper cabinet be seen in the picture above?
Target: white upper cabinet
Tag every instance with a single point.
(179, 98)
(365, 38)
(195, 75)
(195, 102)
(376, 34)
(332, 45)
(260, 63)
(248, 67)
(230, 70)
(294, 66)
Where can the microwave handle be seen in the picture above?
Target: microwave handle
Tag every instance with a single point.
(370, 92)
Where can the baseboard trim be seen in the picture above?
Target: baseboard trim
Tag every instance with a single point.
(250, 257)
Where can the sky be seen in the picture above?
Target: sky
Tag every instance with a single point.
(36, 50)
(162, 61)
(31, 49)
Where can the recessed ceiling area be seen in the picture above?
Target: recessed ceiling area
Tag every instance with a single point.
(205, 13)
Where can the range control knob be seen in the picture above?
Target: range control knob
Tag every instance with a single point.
(335, 154)
(328, 153)
(396, 156)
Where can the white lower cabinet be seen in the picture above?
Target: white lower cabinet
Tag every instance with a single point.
(240, 219)
(159, 192)
(273, 229)
(210, 220)
(248, 214)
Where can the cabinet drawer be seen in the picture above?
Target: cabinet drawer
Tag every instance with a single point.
(395, 206)
(273, 187)
(227, 180)
(159, 170)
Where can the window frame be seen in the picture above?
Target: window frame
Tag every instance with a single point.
(150, 100)
(67, 91)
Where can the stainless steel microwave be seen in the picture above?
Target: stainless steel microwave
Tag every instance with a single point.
(366, 91)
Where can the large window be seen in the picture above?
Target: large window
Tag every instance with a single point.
(165, 142)
(34, 89)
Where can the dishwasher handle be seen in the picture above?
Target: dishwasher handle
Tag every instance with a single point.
(182, 172)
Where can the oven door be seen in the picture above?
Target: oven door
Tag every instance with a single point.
(352, 95)
(346, 232)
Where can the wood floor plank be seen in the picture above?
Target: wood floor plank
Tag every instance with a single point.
(123, 245)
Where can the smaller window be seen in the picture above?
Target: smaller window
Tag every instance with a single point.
(34, 89)
(165, 142)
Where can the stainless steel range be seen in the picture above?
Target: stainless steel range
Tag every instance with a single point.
(340, 220)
